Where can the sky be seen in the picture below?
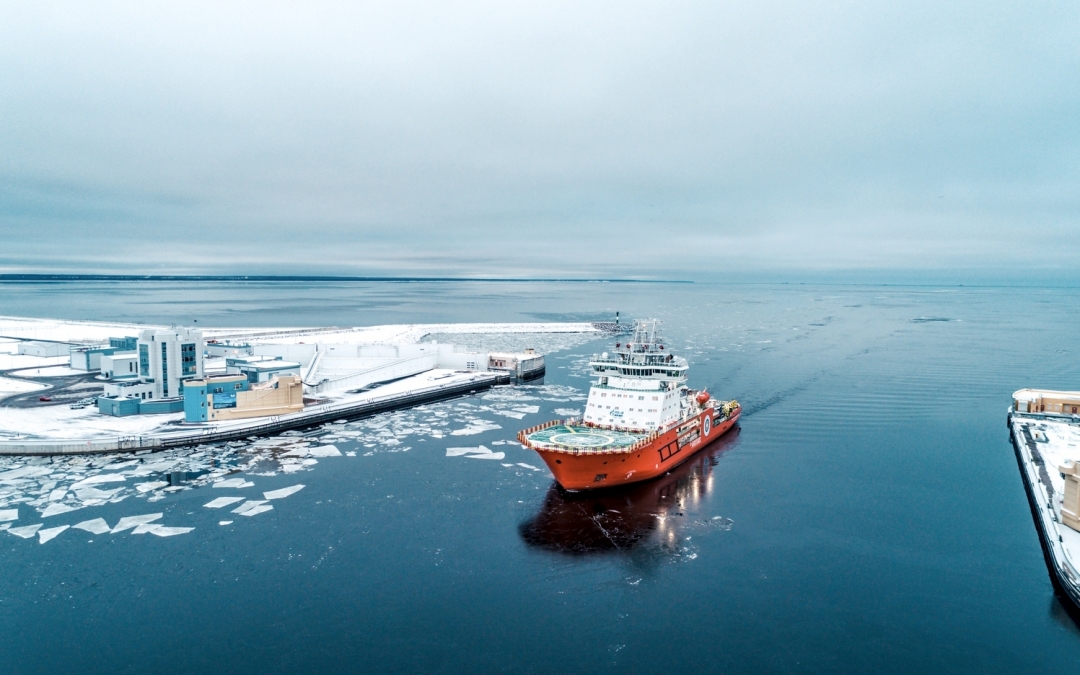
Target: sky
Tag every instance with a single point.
(675, 140)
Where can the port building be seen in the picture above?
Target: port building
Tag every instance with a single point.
(230, 397)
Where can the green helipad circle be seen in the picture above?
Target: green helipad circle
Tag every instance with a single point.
(575, 437)
(587, 439)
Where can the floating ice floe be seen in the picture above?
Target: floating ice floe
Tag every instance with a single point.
(567, 412)
(152, 485)
(252, 505)
(162, 531)
(51, 533)
(283, 492)
(476, 427)
(9, 515)
(234, 483)
(98, 479)
(95, 526)
(56, 508)
(86, 494)
(511, 413)
(225, 522)
(324, 451)
(490, 455)
(26, 531)
(527, 466)
(458, 452)
(222, 501)
(527, 409)
(130, 522)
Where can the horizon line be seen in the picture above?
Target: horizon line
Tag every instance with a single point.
(312, 277)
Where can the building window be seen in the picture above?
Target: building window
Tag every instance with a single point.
(188, 363)
(144, 360)
(238, 386)
(165, 369)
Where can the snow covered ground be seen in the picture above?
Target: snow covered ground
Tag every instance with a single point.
(62, 423)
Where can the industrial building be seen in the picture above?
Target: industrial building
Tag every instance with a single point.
(230, 397)
(43, 349)
(261, 368)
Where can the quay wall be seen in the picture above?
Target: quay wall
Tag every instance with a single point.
(309, 417)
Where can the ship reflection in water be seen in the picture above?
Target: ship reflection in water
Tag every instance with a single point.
(622, 518)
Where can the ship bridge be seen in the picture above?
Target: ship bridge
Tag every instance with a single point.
(643, 356)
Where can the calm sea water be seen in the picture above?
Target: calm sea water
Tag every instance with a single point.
(867, 516)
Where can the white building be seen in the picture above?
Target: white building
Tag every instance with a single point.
(168, 356)
(120, 365)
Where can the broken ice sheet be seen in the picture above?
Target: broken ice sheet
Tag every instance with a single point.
(9, 515)
(129, 522)
(224, 522)
(95, 526)
(56, 508)
(51, 533)
(283, 492)
(25, 532)
(233, 483)
(511, 413)
(527, 466)
(490, 455)
(87, 493)
(324, 451)
(163, 531)
(262, 508)
(152, 485)
(96, 480)
(458, 452)
(248, 505)
(222, 501)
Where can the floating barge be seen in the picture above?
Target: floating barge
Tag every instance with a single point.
(1045, 432)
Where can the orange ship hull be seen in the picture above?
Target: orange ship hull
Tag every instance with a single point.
(655, 456)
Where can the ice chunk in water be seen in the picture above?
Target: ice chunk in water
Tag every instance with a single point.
(528, 409)
(163, 531)
(146, 527)
(102, 478)
(511, 413)
(51, 533)
(324, 451)
(25, 532)
(527, 466)
(152, 485)
(87, 493)
(490, 455)
(222, 501)
(56, 508)
(224, 522)
(57, 494)
(8, 515)
(248, 505)
(95, 526)
(258, 509)
(458, 452)
(283, 492)
(233, 483)
(129, 522)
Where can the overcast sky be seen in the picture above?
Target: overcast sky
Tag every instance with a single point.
(675, 140)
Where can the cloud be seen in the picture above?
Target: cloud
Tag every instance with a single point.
(547, 138)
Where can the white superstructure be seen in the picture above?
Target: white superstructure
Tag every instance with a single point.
(641, 387)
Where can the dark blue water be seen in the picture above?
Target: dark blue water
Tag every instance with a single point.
(868, 515)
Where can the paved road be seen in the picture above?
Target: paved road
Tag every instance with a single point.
(63, 390)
